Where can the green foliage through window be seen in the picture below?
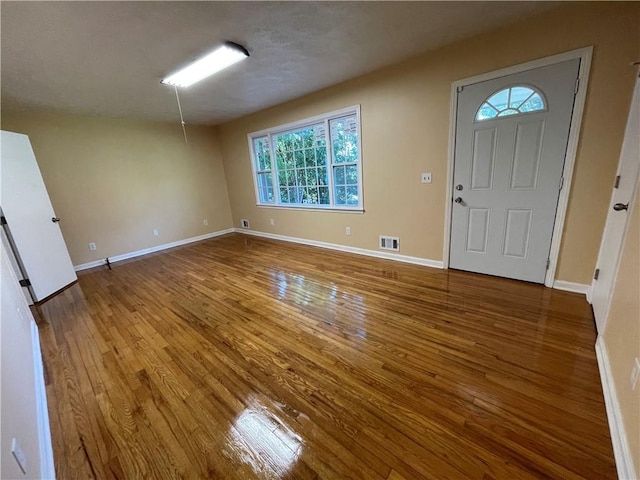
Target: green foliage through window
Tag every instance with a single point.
(314, 165)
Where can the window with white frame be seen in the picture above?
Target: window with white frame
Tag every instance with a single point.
(511, 101)
(313, 163)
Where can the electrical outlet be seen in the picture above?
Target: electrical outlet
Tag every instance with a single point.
(244, 223)
(206, 222)
(155, 232)
(348, 231)
(635, 373)
(92, 246)
(272, 221)
(426, 178)
(19, 455)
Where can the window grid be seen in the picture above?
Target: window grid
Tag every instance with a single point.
(516, 100)
(302, 176)
(344, 167)
(348, 185)
(304, 172)
(332, 196)
(264, 169)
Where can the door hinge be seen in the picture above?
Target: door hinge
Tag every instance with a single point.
(548, 263)
(617, 184)
(577, 86)
(561, 183)
(25, 282)
(3, 220)
(596, 274)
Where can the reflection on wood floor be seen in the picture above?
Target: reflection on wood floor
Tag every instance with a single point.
(247, 358)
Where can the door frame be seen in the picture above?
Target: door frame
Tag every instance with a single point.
(584, 54)
(607, 225)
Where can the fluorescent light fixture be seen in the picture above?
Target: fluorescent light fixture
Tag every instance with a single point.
(215, 61)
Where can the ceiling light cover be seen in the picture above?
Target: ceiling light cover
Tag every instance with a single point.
(221, 58)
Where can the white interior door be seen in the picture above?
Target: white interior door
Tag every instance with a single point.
(32, 222)
(617, 219)
(511, 140)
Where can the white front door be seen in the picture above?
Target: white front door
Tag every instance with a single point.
(31, 220)
(617, 219)
(511, 140)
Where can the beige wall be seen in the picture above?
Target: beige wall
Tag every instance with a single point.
(113, 181)
(622, 331)
(405, 126)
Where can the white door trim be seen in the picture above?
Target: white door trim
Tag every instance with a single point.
(626, 152)
(621, 449)
(47, 468)
(584, 54)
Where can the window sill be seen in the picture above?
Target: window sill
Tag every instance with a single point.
(314, 209)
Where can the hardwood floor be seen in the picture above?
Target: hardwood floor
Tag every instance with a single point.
(247, 358)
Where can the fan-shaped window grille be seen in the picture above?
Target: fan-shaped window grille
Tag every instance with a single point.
(511, 101)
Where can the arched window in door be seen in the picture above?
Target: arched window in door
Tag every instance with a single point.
(511, 101)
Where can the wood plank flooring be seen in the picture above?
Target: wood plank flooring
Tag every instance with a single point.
(245, 358)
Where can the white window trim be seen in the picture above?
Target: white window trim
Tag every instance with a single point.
(323, 118)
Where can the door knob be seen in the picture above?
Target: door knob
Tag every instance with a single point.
(458, 200)
(621, 206)
(55, 219)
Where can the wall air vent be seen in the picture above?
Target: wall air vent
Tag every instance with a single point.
(389, 243)
(244, 223)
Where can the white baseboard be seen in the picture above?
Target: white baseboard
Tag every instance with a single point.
(621, 450)
(47, 469)
(343, 248)
(573, 287)
(558, 284)
(590, 293)
(85, 266)
(157, 248)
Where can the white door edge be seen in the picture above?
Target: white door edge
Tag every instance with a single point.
(584, 54)
(605, 316)
(602, 322)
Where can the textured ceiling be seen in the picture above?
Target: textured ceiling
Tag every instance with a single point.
(107, 58)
